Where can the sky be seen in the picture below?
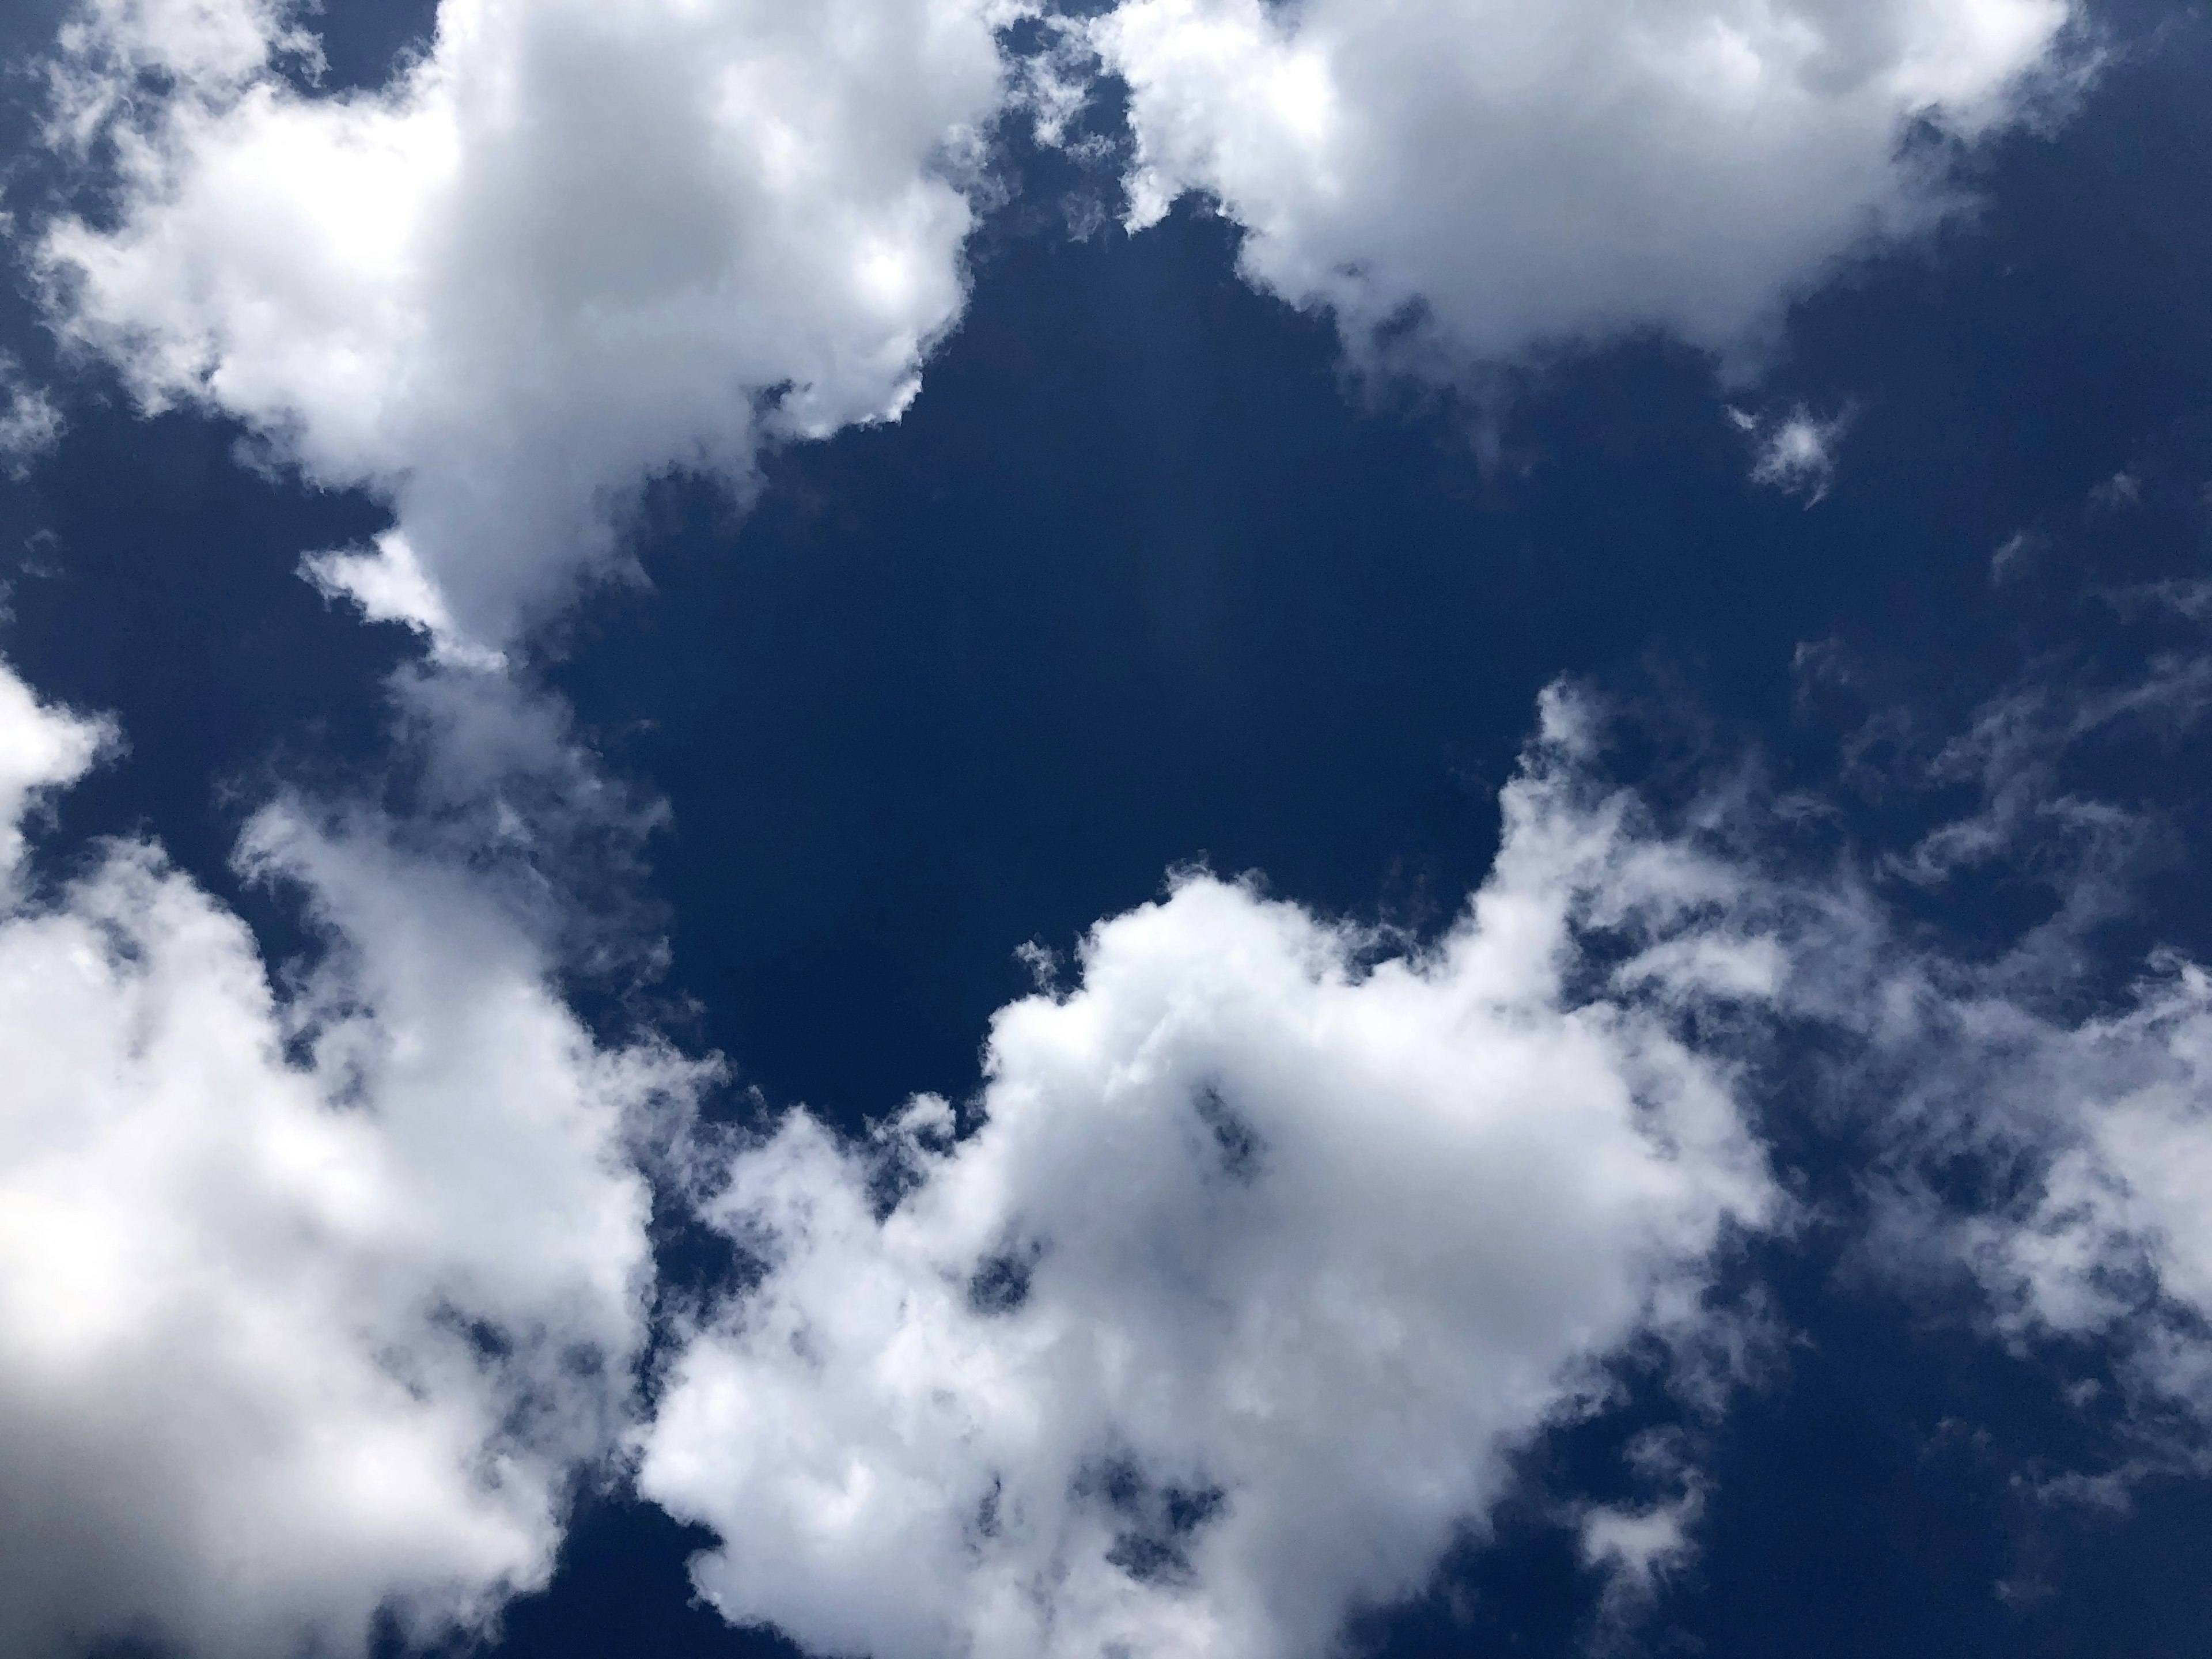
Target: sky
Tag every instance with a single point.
(972, 829)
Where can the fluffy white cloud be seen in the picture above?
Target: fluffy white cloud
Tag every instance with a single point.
(310, 1303)
(1501, 175)
(1273, 1241)
(573, 246)
(41, 749)
(1272, 1237)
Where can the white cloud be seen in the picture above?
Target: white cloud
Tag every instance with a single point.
(1641, 1546)
(1795, 451)
(2050, 1141)
(2095, 1135)
(2087, 1226)
(1641, 1550)
(42, 749)
(311, 1302)
(2120, 1219)
(573, 246)
(1272, 1238)
(30, 424)
(1524, 174)
(1273, 1242)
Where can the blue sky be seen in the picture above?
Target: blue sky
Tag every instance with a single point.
(930, 828)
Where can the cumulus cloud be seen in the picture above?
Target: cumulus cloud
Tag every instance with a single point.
(1273, 1240)
(1268, 1243)
(1461, 180)
(1269, 1239)
(313, 1301)
(42, 749)
(570, 248)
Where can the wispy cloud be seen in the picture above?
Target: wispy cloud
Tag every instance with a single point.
(30, 421)
(1794, 451)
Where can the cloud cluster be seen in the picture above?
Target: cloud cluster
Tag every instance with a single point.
(1272, 1243)
(313, 1302)
(1270, 1237)
(321, 1297)
(1461, 180)
(1269, 1241)
(568, 248)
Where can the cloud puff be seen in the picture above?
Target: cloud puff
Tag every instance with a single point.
(1460, 180)
(312, 1303)
(570, 248)
(1794, 452)
(42, 749)
(1272, 1243)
